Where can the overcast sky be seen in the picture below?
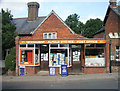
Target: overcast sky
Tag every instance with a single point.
(86, 9)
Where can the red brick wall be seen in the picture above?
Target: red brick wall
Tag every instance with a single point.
(30, 70)
(52, 24)
(99, 35)
(112, 25)
(94, 70)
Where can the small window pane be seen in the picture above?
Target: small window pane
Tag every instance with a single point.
(45, 36)
(23, 45)
(63, 45)
(49, 36)
(30, 45)
(54, 35)
(54, 45)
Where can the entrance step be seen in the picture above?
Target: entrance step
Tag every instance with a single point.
(76, 73)
(43, 73)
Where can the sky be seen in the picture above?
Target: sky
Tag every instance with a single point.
(86, 9)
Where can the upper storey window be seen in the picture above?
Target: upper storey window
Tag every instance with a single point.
(49, 35)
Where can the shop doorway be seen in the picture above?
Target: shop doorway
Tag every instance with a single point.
(76, 59)
(44, 57)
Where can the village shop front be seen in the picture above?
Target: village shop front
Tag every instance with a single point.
(86, 56)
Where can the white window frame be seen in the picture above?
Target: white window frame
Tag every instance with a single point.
(51, 35)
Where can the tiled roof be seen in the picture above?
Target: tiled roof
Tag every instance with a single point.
(25, 27)
(116, 10)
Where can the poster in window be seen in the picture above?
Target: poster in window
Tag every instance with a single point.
(94, 62)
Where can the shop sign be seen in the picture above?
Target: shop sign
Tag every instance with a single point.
(64, 70)
(52, 70)
(62, 41)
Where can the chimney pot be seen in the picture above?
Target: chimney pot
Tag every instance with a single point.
(33, 11)
(112, 3)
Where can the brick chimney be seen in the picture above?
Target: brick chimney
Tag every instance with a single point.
(112, 3)
(33, 11)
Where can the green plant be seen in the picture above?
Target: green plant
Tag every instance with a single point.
(10, 60)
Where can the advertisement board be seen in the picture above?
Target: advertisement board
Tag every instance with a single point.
(52, 70)
(64, 70)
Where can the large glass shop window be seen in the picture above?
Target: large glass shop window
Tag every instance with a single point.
(58, 57)
(94, 57)
(27, 56)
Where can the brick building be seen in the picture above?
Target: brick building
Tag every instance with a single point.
(46, 42)
(111, 33)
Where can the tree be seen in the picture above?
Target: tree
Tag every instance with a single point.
(91, 27)
(8, 28)
(73, 22)
(10, 60)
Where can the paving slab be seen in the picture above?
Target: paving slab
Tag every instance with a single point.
(60, 78)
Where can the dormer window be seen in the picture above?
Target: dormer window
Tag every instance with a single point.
(50, 35)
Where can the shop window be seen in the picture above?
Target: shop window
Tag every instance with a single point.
(23, 45)
(36, 55)
(30, 45)
(117, 53)
(26, 56)
(58, 57)
(49, 35)
(94, 57)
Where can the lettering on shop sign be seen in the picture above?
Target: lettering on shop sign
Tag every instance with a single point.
(62, 41)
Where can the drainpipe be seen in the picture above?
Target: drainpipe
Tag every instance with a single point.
(110, 55)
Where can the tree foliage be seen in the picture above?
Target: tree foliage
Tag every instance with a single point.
(8, 28)
(87, 29)
(91, 27)
(73, 22)
(10, 60)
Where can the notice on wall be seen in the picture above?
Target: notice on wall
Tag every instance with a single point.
(94, 62)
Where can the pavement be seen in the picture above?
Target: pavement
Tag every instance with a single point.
(60, 78)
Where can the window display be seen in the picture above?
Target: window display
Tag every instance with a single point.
(27, 56)
(94, 58)
(57, 59)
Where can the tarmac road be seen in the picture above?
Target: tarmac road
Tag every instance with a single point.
(87, 81)
(77, 84)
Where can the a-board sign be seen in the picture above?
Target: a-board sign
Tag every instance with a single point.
(64, 70)
(52, 70)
